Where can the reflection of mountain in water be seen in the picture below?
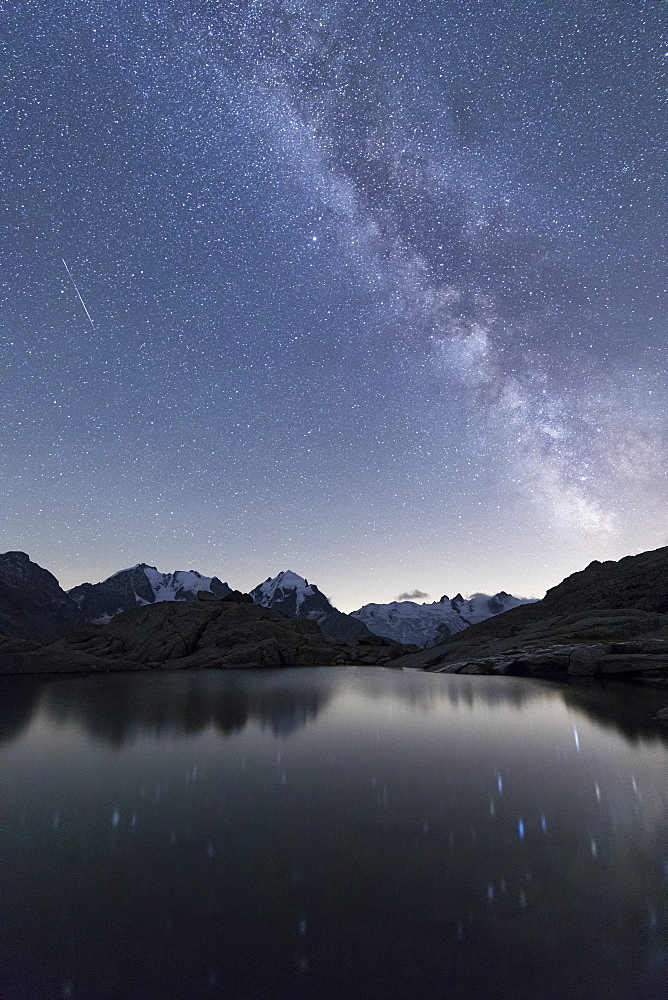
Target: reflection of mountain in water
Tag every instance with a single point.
(415, 689)
(120, 708)
(19, 697)
(625, 708)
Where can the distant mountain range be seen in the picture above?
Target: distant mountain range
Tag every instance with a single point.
(33, 606)
(609, 620)
(426, 625)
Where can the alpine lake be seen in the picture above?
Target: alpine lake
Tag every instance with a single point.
(331, 833)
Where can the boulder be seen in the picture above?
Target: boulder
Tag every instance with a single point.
(584, 660)
(234, 597)
(629, 663)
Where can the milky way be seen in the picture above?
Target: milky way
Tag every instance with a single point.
(379, 289)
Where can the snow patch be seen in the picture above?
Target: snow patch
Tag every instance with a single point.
(172, 586)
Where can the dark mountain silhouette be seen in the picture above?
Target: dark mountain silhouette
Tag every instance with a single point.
(33, 605)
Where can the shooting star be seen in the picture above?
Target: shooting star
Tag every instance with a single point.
(77, 290)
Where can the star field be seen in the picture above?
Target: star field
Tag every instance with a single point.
(378, 290)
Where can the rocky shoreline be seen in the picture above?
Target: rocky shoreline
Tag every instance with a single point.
(645, 661)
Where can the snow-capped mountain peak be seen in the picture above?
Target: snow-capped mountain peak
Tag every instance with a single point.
(279, 588)
(295, 597)
(171, 586)
(428, 624)
(139, 585)
(478, 607)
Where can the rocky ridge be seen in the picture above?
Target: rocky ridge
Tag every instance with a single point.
(288, 593)
(645, 659)
(207, 632)
(610, 620)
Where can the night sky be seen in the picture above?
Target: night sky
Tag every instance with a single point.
(379, 290)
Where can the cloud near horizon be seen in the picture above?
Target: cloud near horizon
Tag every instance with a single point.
(411, 595)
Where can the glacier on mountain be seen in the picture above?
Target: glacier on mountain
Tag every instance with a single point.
(428, 624)
(140, 585)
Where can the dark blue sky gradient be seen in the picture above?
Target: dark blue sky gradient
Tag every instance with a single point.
(379, 290)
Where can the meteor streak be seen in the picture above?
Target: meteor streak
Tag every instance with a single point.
(77, 290)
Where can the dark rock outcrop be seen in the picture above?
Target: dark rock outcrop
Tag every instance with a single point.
(32, 603)
(511, 631)
(645, 661)
(639, 582)
(234, 597)
(207, 632)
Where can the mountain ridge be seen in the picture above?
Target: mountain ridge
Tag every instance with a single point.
(229, 632)
(428, 624)
(610, 619)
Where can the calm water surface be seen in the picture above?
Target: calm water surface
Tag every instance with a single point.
(330, 834)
